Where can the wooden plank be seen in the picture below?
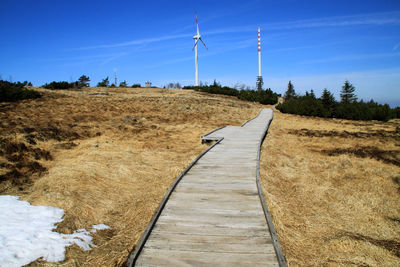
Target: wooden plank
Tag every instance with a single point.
(205, 245)
(196, 211)
(218, 224)
(216, 186)
(214, 219)
(218, 195)
(203, 186)
(215, 190)
(223, 239)
(207, 231)
(206, 205)
(196, 173)
(207, 202)
(157, 257)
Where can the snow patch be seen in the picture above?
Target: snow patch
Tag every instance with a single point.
(99, 227)
(26, 233)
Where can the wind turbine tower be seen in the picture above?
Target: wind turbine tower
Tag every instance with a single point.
(259, 77)
(196, 38)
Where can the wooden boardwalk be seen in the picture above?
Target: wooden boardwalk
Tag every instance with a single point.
(214, 215)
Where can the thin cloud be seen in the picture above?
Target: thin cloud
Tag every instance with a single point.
(351, 57)
(101, 59)
(324, 23)
(301, 47)
(100, 56)
(248, 5)
(396, 46)
(339, 21)
(112, 58)
(169, 62)
(137, 42)
(231, 47)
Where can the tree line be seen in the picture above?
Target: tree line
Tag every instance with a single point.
(326, 105)
(106, 83)
(14, 91)
(84, 81)
(266, 97)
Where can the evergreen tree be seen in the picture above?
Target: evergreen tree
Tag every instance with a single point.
(83, 81)
(104, 83)
(260, 83)
(327, 98)
(329, 103)
(290, 93)
(312, 94)
(215, 84)
(347, 94)
(123, 84)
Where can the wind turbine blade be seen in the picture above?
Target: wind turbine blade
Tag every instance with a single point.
(197, 23)
(203, 44)
(195, 43)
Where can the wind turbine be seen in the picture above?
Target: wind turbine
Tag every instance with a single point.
(196, 38)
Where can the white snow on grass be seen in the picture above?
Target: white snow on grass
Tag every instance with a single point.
(99, 227)
(26, 233)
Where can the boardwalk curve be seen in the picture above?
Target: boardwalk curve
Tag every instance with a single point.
(215, 213)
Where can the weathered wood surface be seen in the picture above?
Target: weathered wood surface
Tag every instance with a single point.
(214, 216)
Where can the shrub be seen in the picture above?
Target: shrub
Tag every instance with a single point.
(264, 97)
(304, 105)
(396, 112)
(123, 84)
(104, 83)
(83, 81)
(60, 85)
(10, 92)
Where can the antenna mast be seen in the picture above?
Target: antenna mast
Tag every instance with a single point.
(259, 53)
(259, 77)
(115, 77)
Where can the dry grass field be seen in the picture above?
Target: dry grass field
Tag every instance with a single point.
(333, 188)
(106, 158)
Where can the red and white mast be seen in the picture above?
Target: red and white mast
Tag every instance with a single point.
(259, 54)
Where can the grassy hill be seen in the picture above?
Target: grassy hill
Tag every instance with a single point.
(106, 156)
(109, 155)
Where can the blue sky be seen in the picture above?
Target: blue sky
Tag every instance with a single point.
(316, 44)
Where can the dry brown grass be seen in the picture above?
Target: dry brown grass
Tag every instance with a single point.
(333, 188)
(106, 158)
